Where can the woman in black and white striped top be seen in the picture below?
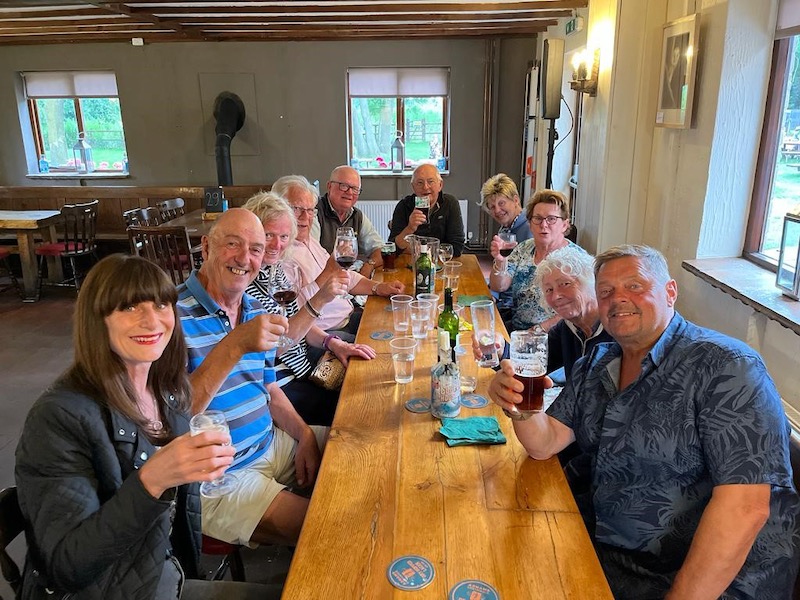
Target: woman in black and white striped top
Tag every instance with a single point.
(314, 404)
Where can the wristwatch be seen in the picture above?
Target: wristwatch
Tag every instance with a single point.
(371, 262)
(375, 288)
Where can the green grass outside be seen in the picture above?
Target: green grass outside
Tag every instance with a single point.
(785, 198)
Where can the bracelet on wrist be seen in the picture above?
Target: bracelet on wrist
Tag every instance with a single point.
(310, 308)
(326, 342)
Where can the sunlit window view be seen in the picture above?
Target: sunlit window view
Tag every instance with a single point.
(391, 106)
(785, 189)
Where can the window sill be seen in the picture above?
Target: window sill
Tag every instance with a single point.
(388, 174)
(755, 287)
(749, 284)
(74, 176)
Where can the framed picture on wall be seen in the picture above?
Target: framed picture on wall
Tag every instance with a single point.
(677, 74)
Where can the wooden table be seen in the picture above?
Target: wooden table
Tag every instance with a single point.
(389, 486)
(196, 227)
(25, 224)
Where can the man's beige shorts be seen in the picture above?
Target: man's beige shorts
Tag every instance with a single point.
(233, 517)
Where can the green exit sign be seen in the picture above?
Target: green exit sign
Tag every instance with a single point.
(574, 25)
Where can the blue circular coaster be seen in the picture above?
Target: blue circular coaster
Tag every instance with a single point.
(472, 589)
(418, 405)
(473, 401)
(381, 335)
(410, 572)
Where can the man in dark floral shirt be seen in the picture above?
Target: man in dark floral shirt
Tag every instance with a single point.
(692, 493)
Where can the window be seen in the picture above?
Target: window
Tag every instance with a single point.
(381, 102)
(66, 106)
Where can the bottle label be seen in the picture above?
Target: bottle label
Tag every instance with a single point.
(445, 392)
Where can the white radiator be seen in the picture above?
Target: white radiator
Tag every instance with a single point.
(380, 212)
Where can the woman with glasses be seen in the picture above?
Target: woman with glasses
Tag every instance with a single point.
(313, 403)
(500, 198)
(547, 214)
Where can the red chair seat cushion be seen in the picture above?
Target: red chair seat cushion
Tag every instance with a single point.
(214, 546)
(4, 253)
(58, 248)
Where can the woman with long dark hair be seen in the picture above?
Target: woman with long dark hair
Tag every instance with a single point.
(106, 470)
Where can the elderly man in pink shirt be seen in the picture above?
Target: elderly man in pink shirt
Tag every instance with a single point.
(316, 265)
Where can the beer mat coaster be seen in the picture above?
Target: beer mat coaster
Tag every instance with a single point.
(550, 395)
(381, 335)
(387, 308)
(410, 572)
(418, 405)
(472, 589)
(473, 401)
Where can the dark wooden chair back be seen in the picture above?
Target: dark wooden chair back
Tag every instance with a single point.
(147, 216)
(170, 209)
(80, 228)
(11, 525)
(168, 247)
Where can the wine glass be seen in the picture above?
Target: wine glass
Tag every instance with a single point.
(284, 291)
(445, 253)
(345, 251)
(508, 243)
(213, 420)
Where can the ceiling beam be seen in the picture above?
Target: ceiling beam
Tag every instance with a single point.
(119, 8)
(394, 17)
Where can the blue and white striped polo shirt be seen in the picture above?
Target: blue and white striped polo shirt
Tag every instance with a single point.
(243, 396)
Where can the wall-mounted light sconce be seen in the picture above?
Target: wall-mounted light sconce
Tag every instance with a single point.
(585, 70)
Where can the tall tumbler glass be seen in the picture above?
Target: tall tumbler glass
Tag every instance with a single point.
(529, 359)
(420, 318)
(404, 350)
(401, 312)
(483, 330)
(213, 420)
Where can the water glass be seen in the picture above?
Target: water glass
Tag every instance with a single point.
(483, 329)
(401, 312)
(213, 420)
(403, 353)
(434, 301)
(452, 271)
(529, 359)
(420, 318)
(467, 367)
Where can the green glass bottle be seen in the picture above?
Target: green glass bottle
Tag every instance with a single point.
(423, 269)
(448, 320)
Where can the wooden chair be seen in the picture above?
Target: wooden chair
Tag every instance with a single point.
(170, 209)
(80, 226)
(168, 247)
(11, 525)
(147, 216)
(232, 558)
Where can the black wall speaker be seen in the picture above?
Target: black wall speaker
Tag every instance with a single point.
(552, 72)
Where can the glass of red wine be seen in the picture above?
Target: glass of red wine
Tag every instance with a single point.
(284, 292)
(345, 250)
(508, 243)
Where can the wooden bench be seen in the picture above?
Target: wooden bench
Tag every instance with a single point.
(114, 201)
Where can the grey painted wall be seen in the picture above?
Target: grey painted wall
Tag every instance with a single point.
(298, 123)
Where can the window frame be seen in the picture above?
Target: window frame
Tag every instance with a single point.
(36, 128)
(401, 120)
(767, 155)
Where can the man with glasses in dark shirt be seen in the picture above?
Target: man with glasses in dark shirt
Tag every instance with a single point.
(337, 209)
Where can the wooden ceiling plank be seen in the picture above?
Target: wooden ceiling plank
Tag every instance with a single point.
(170, 24)
(365, 17)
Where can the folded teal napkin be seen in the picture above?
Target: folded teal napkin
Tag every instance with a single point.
(465, 300)
(472, 430)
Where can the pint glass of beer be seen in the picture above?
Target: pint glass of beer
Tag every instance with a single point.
(529, 359)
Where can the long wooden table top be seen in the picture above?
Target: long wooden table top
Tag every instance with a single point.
(195, 225)
(27, 219)
(390, 486)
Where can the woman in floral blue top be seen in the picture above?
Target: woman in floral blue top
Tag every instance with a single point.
(548, 218)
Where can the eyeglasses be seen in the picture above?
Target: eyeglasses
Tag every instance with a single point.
(346, 187)
(428, 182)
(299, 210)
(551, 219)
